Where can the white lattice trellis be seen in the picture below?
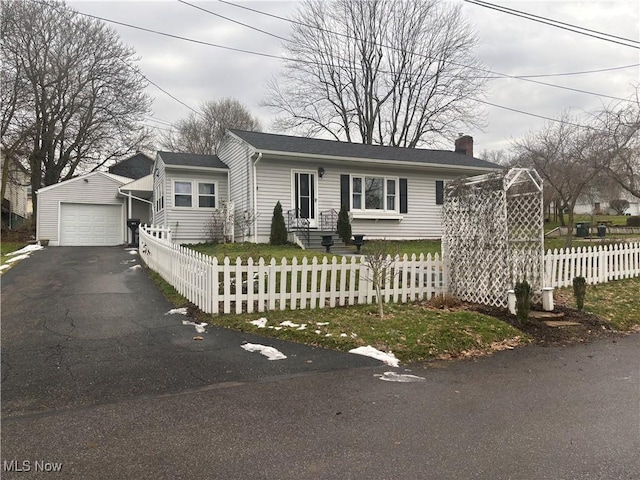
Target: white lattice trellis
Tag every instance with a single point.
(493, 234)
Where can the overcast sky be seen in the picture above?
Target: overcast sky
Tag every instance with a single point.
(507, 44)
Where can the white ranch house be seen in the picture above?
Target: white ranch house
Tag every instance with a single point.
(390, 192)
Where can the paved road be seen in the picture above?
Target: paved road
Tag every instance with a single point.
(531, 413)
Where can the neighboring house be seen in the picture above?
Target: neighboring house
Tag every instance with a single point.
(187, 189)
(136, 166)
(15, 204)
(599, 204)
(91, 209)
(390, 192)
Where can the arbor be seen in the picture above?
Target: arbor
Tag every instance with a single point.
(201, 133)
(72, 96)
(378, 72)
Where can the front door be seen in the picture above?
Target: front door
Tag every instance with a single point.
(304, 196)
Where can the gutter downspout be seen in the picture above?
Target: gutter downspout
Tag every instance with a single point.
(255, 199)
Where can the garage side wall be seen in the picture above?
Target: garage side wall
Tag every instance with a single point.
(98, 189)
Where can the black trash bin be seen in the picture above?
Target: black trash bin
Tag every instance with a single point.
(133, 224)
(582, 229)
(602, 231)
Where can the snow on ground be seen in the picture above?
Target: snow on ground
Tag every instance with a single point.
(2, 267)
(200, 327)
(260, 323)
(181, 311)
(135, 267)
(269, 352)
(368, 351)
(322, 324)
(287, 323)
(19, 257)
(133, 251)
(27, 249)
(399, 377)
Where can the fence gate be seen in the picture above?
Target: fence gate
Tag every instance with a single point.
(493, 235)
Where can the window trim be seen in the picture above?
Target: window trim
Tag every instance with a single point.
(208, 195)
(195, 193)
(385, 195)
(439, 200)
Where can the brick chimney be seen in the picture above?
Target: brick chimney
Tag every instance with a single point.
(464, 144)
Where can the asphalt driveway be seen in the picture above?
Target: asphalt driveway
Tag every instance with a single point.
(85, 326)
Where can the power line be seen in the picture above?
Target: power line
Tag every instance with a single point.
(555, 23)
(524, 78)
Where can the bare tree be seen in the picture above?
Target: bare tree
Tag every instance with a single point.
(379, 259)
(202, 133)
(619, 130)
(568, 157)
(383, 72)
(76, 98)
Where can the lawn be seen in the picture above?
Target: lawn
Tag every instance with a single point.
(617, 302)
(8, 247)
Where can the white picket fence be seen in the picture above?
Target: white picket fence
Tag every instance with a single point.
(596, 264)
(260, 286)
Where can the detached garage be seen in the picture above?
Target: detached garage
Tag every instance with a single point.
(84, 211)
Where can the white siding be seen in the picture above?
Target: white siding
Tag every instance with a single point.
(97, 189)
(16, 191)
(236, 154)
(188, 225)
(423, 219)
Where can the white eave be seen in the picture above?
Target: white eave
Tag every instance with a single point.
(119, 179)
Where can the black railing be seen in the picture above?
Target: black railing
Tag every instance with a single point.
(329, 221)
(297, 223)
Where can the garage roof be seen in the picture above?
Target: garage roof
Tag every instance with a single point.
(117, 178)
(191, 160)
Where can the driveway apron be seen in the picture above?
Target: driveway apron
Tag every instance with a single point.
(87, 325)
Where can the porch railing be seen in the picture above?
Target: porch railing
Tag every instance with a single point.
(297, 223)
(329, 220)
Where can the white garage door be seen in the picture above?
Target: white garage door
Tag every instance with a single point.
(86, 224)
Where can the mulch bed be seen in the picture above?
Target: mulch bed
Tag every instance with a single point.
(590, 326)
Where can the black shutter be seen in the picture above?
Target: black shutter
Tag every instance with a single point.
(439, 192)
(344, 191)
(403, 196)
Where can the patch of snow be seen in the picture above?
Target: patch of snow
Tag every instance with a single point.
(125, 262)
(302, 327)
(328, 335)
(200, 327)
(353, 335)
(322, 324)
(399, 377)
(135, 267)
(343, 334)
(274, 328)
(260, 323)
(19, 257)
(318, 332)
(2, 267)
(269, 352)
(368, 351)
(287, 323)
(181, 311)
(133, 251)
(27, 249)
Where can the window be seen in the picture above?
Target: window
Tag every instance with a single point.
(206, 195)
(379, 193)
(159, 196)
(182, 194)
(439, 192)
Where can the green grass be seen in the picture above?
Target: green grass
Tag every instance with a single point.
(255, 251)
(413, 332)
(615, 301)
(408, 247)
(8, 247)
(616, 220)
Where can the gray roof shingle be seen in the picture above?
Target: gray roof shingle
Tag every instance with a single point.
(316, 146)
(191, 160)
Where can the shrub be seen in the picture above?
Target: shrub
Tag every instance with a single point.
(579, 291)
(344, 225)
(443, 301)
(633, 221)
(523, 300)
(620, 205)
(278, 228)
